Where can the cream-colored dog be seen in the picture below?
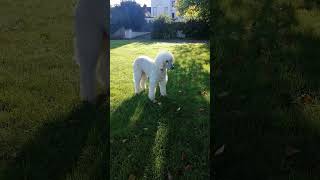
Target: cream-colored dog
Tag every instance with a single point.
(156, 70)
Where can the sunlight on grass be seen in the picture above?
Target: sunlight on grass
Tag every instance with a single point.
(136, 114)
(159, 148)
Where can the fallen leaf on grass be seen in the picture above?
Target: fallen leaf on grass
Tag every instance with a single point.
(223, 94)
(237, 113)
(306, 99)
(159, 103)
(132, 177)
(180, 91)
(201, 109)
(290, 151)
(188, 167)
(220, 150)
(179, 109)
(183, 156)
(146, 129)
(124, 140)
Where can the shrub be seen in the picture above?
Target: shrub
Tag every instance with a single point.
(196, 29)
(164, 28)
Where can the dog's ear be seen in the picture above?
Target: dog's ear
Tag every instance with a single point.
(162, 65)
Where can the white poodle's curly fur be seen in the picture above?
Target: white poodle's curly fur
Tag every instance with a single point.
(156, 70)
(91, 46)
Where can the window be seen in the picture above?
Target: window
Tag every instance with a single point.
(173, 3)
(154, 11)
(166, 10)
(172, 15)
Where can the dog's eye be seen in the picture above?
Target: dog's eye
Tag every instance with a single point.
(167, 61)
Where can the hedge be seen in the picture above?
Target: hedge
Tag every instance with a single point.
(165, 28)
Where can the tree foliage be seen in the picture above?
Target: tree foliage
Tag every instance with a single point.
(128, 14)
(194, 9)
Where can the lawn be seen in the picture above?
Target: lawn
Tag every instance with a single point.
(45, 131)
(266, 89)
(168, 138)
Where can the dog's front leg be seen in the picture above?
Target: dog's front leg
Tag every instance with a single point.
(102, 66)
(87, 83)
(162, 85)
(152, 91)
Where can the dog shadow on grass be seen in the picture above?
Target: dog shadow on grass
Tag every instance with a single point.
(148, 139)
(58, 144)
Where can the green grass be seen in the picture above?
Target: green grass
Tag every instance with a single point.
(149, 140)
(266, 58)
(45, 131)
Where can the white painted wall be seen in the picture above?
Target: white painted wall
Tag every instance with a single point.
(159, 7)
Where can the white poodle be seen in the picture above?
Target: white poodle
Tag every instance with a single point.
(91, 29)
(156, 70)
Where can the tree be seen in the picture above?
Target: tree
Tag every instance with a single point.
(128, 14)
(194, 9)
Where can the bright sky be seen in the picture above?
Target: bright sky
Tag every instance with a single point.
(141, 2)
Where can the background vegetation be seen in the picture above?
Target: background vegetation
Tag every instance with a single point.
(164, 28)
(129, 15)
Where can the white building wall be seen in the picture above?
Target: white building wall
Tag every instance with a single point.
(159, 7)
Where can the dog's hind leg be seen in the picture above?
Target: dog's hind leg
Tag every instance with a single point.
(137, 77)
(143, 80)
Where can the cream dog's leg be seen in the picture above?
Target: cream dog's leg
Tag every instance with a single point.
(90, 26)
(143, 80)
(102, 75)
(137, 78)
(152, 90)
(162, 85)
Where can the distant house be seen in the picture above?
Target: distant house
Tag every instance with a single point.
(147, 11)
(164, 7)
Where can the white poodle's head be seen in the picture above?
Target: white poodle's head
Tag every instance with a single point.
(165, 60)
